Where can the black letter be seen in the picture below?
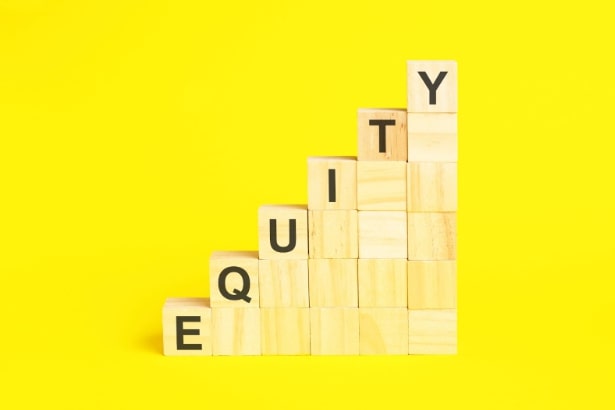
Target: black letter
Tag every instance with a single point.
(432, 86)
(382, 132)
(292, 236)
(331, 185)
(181, 332)
(237, 294)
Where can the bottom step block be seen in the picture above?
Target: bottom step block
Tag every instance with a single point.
(236, 331)
(383, 331)
(285, 331)
(334, 331)
(186, 327)
(432, 331)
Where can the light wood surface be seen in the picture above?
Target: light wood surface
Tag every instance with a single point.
(193, 326)
(334, 331)
(383, 331)
(432, 284)
(432, 137)
(333, 234)
(432, 331)
(382, 283)
(333, 283)
(283, 283)
(383, 234)
(285, 331)
(432, 186)
(432, 236)
(281, 245)
(381, 185)
(236, 331)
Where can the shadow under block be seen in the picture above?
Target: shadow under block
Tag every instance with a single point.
(383, 234)
(285, 331)
(382, 283)
(236, 331)
(381, 185)
(282, 232)
(383, 331)
(432, 284)
(233, 279)
(432, 137)
(382, 134)
(333, 234)
(186, 327)
(332, 183)
(432, 186)
(432, 331)
(432, 86)
(333, 283)
(334, 331)
(283, 283)
(432, 236)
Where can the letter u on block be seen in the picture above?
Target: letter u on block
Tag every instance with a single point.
(282, 232)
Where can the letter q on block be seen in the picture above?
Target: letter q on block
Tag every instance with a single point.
(233, 279)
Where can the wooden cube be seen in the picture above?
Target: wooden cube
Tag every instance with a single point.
(383, 235)
(333, 283)
(285, 331)
(283, 283)
(233, 278)
(236, 331)
(381, 185)
(432, 86)
(332, 183)
(432, 186)
(383, 331)
(334, 331)
(432, 284)
(382, 283)
(282, 232)
(432, 331)
(186, 327)
(382, 134)
(432, 137)
(333, 234)
(432, 236)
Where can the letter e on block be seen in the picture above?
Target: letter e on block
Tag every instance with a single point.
(186, 327)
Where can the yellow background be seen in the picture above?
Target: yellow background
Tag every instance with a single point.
(138, 136)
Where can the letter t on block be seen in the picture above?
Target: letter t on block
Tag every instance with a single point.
(383, 134)
(432, 86)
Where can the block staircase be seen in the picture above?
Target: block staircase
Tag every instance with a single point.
(367, 267)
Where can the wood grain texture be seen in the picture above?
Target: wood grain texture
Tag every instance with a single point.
(418, 91)
(236, 331)
(197, 317)
(334, 331)
(432, 186)
(344, 186)
(333, 283)
(382, 283)
(281, 245)
(283, 283)
(432, 284)
(285, 331)
(333, 234)
(383, 234)
(432, 236)
(381, 185)
(383, 331)
(395, 141)
(221, 260)
(432, 137)
(432, 331)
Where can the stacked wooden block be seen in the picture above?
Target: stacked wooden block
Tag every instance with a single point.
(367, 267)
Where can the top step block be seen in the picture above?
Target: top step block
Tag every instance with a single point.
(432, 86)
(383, 134)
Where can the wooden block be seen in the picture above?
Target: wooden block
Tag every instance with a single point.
(432, 86)
(332, 183)
(186, 327)
(432, 137)
(285, 331)
(383, 235)
(432, 236)
(382, 283)
(333, 234)
(432, 284)
(333, 283)
(432, 186)
(381, 185)
(334, 331)
(282, 232)
(233, 278)
(236, 331)
(432, 331)
(382, 134)
(383, 331)
(283, 283)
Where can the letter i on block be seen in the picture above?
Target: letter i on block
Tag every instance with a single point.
(186, 327)
(332, 183)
